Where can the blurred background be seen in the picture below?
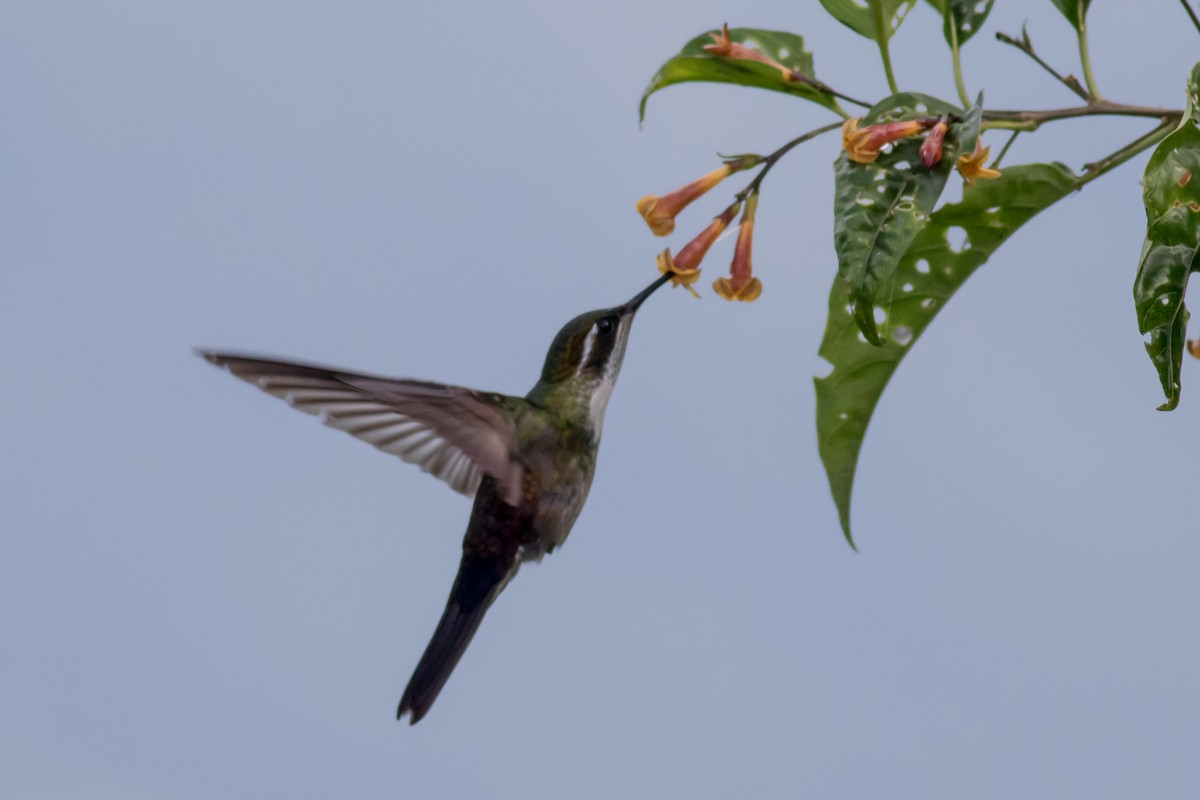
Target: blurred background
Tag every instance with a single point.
(206, 594)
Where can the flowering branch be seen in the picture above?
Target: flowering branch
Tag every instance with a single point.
(896, 263)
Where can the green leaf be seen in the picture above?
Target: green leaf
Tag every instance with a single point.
(1073, 10)
(694, 63)
(935, 265)
(1171, 252)
(967, 17)
(879, 207)
(861, 16)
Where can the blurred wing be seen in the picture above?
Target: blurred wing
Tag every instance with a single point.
(454, 433)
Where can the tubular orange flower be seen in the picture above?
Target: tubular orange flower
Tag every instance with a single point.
(971, 166)
(931, 148)
(723, 47)
(659, 212)
(741, 284)
(686, 266)
(1193, 347)
(863, 144)
(680, 275)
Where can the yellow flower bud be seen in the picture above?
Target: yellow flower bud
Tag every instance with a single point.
(971, 166)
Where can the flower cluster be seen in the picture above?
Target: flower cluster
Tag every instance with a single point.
(864, 143)
(684, 266)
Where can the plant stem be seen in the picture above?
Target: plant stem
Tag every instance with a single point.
(1117, 158)
(881, 38)
(1031, 120)
(887, 66)
(771, 160)
(1004, 150)
(955, 57)
(1025, 46)
(1084, 58)
(1188, 8)
(825, 88)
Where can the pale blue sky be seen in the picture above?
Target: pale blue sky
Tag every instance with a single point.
(208, 595)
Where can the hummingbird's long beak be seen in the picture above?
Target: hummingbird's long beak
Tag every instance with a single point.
(641, 296)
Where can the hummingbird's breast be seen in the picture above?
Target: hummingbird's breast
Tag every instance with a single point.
(560, 461)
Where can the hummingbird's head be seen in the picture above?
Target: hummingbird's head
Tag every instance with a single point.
(586, 355)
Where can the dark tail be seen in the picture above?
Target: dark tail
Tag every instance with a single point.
(478, 583)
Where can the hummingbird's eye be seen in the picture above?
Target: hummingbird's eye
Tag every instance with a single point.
(606, 325)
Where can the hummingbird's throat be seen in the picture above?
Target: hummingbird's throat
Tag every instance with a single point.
(598, 402)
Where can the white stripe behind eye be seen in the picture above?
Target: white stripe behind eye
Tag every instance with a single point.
(588, 344)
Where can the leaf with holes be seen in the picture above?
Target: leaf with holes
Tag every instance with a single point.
(1171, 253)
(871, 19)
(694, 63)
(930, 272)
(879, 207)
(962, 19)
(1074, 10)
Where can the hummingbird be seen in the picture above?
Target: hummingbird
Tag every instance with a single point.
(528, 461)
